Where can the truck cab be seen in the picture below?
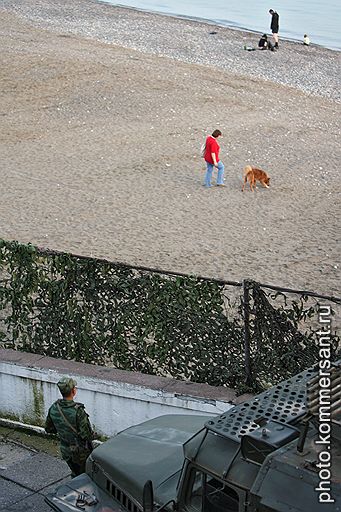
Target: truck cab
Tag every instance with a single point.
(260, 456)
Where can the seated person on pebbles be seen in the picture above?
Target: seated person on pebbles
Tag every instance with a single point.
(264, 44)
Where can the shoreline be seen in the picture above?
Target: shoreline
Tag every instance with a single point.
(102, 122)
(189, 41)
(206, 21)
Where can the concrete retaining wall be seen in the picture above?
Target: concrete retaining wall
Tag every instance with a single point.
(114, 399)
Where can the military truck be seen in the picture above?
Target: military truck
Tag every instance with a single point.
(264, 455)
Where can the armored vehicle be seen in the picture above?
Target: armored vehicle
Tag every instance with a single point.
(278, 452)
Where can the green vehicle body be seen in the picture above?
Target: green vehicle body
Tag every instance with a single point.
(260, 456)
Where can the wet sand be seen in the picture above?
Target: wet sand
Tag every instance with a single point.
(102, 117)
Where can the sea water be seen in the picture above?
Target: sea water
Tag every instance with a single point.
(320, 20)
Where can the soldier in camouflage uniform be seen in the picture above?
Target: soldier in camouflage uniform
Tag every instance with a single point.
(70, 422)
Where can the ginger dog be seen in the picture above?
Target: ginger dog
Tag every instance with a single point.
(252, 175)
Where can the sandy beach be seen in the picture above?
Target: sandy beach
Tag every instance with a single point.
(103, 111)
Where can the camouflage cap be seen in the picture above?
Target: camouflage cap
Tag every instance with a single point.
(66, 384)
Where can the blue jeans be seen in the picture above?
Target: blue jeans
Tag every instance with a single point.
(209, 172)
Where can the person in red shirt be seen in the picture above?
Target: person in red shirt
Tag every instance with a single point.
(211, 157)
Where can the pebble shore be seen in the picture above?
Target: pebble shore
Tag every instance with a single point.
(314, 70)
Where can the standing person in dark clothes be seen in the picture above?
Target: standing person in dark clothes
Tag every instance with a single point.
(274, 26)
(70, 422)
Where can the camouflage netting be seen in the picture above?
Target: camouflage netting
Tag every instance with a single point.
(285, 335)
(186, 327)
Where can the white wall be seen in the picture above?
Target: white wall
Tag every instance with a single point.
(27, 392)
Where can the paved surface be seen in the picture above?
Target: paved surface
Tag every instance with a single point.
(27, 475)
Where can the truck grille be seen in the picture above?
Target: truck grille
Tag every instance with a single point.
(122, 498)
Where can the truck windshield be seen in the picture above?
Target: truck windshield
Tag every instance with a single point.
(207, 494)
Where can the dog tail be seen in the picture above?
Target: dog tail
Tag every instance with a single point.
(247, 169)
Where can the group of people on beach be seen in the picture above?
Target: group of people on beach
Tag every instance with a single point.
(264, 43)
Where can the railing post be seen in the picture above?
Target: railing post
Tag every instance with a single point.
(247, 337)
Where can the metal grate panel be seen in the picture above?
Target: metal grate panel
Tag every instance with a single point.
(284, 402)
